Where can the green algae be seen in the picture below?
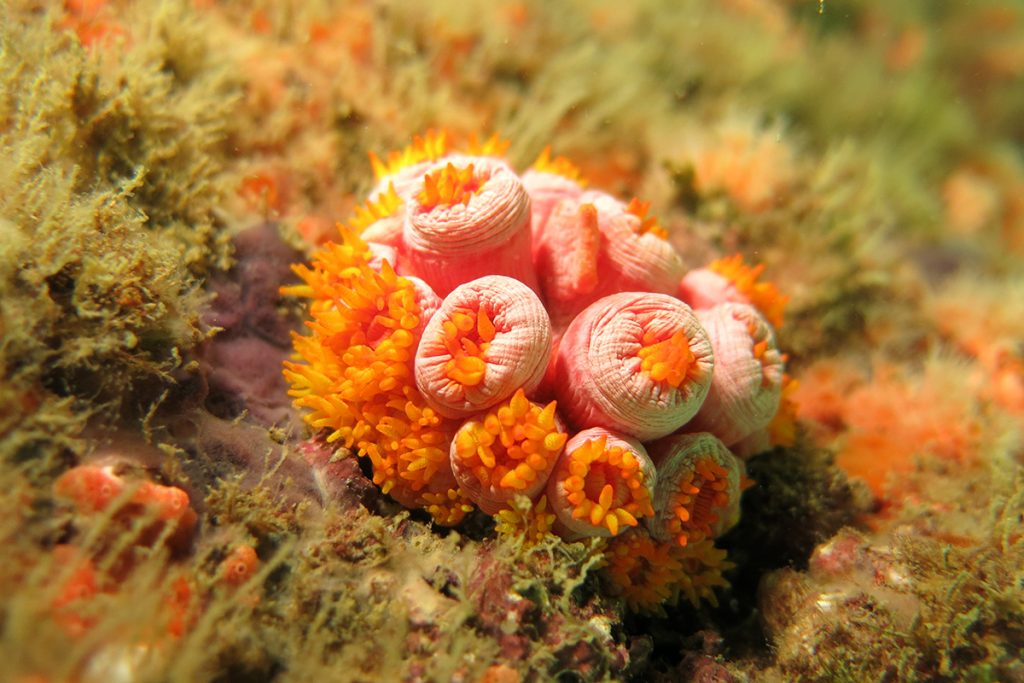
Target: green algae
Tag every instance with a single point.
(112, 169)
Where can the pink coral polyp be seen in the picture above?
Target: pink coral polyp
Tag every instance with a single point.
(637, 362)
(594, 245)
(747, 384)
(468, 217)
(602, 484)
(490, 337)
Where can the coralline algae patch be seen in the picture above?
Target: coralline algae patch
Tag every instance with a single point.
(524, 345)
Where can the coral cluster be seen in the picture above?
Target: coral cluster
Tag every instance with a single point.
(490, 335)
(165, 515)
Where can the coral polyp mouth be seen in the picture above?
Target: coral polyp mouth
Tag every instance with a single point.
(490, 337)
(638, 363)
(699, 498)
(467, 336)
(448, 186)
(698, 491)
(667, 360)
(606, 486)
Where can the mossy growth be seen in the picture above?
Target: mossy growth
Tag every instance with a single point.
(114, 158)
(335, 592)
(799, 499)
(931, 596)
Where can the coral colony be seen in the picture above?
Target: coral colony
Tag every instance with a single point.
(487, 338)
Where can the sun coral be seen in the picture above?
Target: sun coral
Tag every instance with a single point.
(730, 280)
(637, 363)
(490, 337)
(466, 218)
(532, 522)
(648, 575)
(506, 451)
(746, 386)
(403, 168)
(698, 492)
(603, 482)
(443, 396)
(703, 565)
(642, 571)
(357, 375)
(548, 182)
(782, 428)
(595, 245)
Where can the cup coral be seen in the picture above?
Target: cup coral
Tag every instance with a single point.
(642, 571)
(468, 217)
(648, 574)
(473, 297)
(639, 363)
(596, 233)
(490, 337)
(507, 451)
(747, 384)
(357, 376)
(549, 181)
(698, 491)
(603, 482)
(730, 280)
(529, 521)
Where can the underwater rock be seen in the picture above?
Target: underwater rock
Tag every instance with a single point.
(241, 361)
